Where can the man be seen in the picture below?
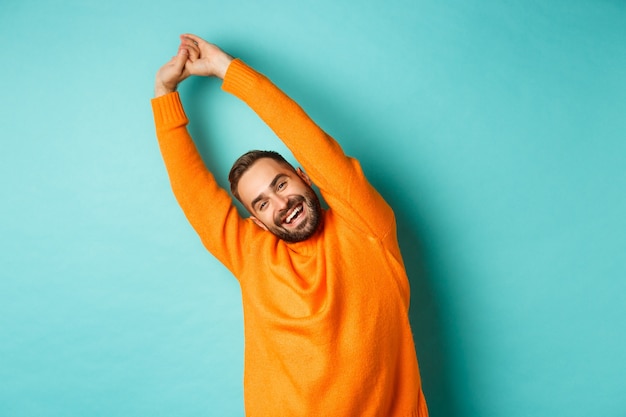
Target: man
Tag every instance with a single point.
(325, 293)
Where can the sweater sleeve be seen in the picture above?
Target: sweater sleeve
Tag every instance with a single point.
(339, 177)
(207, 206)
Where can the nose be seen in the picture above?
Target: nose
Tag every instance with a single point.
(280, 202)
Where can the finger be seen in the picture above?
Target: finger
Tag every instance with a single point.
(192, 43)
(196, 39)
(192, 48)
(186, 40)
(180, 58)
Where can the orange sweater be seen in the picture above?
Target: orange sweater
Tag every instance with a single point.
(326, 320)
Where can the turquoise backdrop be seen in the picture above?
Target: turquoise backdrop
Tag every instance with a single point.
(496, 129)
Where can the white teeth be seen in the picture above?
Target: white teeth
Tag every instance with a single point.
(293, 214)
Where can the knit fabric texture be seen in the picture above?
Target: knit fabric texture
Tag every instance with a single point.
(326, 320)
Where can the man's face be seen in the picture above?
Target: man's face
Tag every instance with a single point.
(280, 200)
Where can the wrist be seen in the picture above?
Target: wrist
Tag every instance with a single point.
(161, 89)
(222, 64)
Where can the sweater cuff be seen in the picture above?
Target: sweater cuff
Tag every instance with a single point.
(168, 111)
(239, 78)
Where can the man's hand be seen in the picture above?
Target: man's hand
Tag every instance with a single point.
(205, 59)
(171, 74)
(195, 57)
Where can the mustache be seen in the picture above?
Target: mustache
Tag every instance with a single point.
(291, 203)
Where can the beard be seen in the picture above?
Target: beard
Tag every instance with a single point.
(307, 227)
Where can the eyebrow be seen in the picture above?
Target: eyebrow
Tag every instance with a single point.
(272, 185)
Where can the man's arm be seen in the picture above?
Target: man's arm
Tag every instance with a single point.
(207, 206)
(338, 176)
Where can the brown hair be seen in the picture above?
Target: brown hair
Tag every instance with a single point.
(245, 161)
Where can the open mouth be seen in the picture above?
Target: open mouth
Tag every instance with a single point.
(294, 215)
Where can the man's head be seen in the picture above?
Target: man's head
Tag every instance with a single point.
(279, 198)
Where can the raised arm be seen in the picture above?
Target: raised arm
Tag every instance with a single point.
(338, 176)
(207, 206)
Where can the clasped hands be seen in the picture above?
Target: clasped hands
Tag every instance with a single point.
(195, 57)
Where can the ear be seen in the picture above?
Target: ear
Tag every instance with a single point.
(259, 223)
(304, 177)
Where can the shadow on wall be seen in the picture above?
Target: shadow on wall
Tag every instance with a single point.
(424, 313)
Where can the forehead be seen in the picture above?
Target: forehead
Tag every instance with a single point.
(258, 178)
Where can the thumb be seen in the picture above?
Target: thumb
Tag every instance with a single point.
(181, 58)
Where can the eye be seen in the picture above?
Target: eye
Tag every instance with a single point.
(262, 206)
(281, 185)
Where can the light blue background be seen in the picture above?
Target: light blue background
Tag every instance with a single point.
(496, 129)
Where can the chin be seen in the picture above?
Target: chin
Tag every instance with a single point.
(308, 229)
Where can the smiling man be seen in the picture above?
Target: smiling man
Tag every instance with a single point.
(279, 197)
(325, 293)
